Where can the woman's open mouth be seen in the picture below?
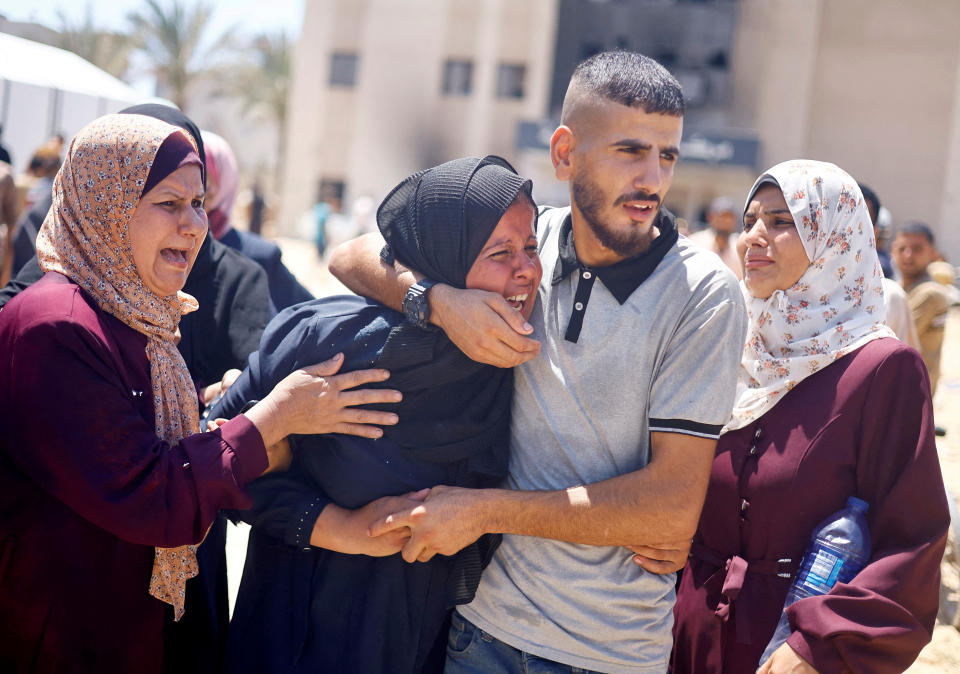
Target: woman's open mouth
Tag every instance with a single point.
(516, 301)
(175, 256)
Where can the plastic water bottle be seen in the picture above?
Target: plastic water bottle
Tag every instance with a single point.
(839, 548)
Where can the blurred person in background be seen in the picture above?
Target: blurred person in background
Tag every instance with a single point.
(36, 187)
(873, 206)
(913, 249)
(4, 154)
(945, 274)
(105, 479)
(257, 208)
(223, 182)
(8, 220)
(899, 314)
(798, 444)
(320, 213)
(36, 183)
(720, 235)
(28, 226)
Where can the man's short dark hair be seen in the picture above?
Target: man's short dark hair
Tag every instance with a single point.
(628, 78)
(916, 227)
(873, 202)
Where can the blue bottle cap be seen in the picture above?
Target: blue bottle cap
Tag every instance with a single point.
(858, 504)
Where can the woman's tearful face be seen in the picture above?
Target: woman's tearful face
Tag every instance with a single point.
(167, 229)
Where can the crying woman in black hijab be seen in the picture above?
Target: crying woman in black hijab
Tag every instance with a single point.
(468, 223)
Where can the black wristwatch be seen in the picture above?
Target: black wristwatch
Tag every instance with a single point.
(415, 305)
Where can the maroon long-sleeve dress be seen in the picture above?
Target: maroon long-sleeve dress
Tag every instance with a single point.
(87, 489)
(862, 426)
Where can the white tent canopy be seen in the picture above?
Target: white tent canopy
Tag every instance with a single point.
(45, 90)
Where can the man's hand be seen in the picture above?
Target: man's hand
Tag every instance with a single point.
(445, 523)
(661, 559)
(483, 325)
(345, 530)
(786, 661)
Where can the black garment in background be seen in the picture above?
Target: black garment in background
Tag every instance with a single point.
(29, 274)
(234, 309)
(171, 115)
(25, 241)
(285, 289)
(4, 155)
(257, 206)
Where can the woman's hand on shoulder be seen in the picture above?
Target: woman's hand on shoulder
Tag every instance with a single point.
(318, 400)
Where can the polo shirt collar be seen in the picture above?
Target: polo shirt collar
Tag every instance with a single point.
(623, 277)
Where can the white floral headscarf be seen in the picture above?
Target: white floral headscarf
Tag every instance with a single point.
(837, 305)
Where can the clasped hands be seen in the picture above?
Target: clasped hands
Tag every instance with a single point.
(444, 520)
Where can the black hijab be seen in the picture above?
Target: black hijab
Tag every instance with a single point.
(171, 115)
(437, 222)
(454, 410)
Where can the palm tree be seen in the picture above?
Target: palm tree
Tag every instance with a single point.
(261, 82)
(171, 39)
(106, 50)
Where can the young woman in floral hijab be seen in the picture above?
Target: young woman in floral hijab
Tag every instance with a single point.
(829, 405)
(104, 478)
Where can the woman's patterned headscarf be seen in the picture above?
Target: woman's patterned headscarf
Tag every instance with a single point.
(837, 305)
(86, 237)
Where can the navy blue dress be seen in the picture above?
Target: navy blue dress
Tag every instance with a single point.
(305, 609)
(285, 289)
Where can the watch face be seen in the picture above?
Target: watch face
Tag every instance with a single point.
(415, 306)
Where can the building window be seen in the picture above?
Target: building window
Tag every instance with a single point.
(457, 77)
(343, 69)
(510, 80)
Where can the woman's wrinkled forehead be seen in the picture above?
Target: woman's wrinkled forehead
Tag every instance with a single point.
(107, 167)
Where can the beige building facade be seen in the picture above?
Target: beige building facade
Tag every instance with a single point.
(383, 88)
(871, 85)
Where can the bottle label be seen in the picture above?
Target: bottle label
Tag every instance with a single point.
(823, 571)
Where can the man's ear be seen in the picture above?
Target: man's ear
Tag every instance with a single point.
(561, 146)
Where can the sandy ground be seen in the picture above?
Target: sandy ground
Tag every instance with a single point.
(943, 652)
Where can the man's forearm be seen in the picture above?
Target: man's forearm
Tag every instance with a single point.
(657, 506)
(622, 511)
(357, 265)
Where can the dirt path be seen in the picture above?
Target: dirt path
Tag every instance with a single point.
(942, 654)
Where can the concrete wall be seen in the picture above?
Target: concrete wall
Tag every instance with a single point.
(871, 85)
(396, 119)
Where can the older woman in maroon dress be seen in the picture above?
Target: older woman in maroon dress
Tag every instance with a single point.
(105, 480)
(830, 405)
